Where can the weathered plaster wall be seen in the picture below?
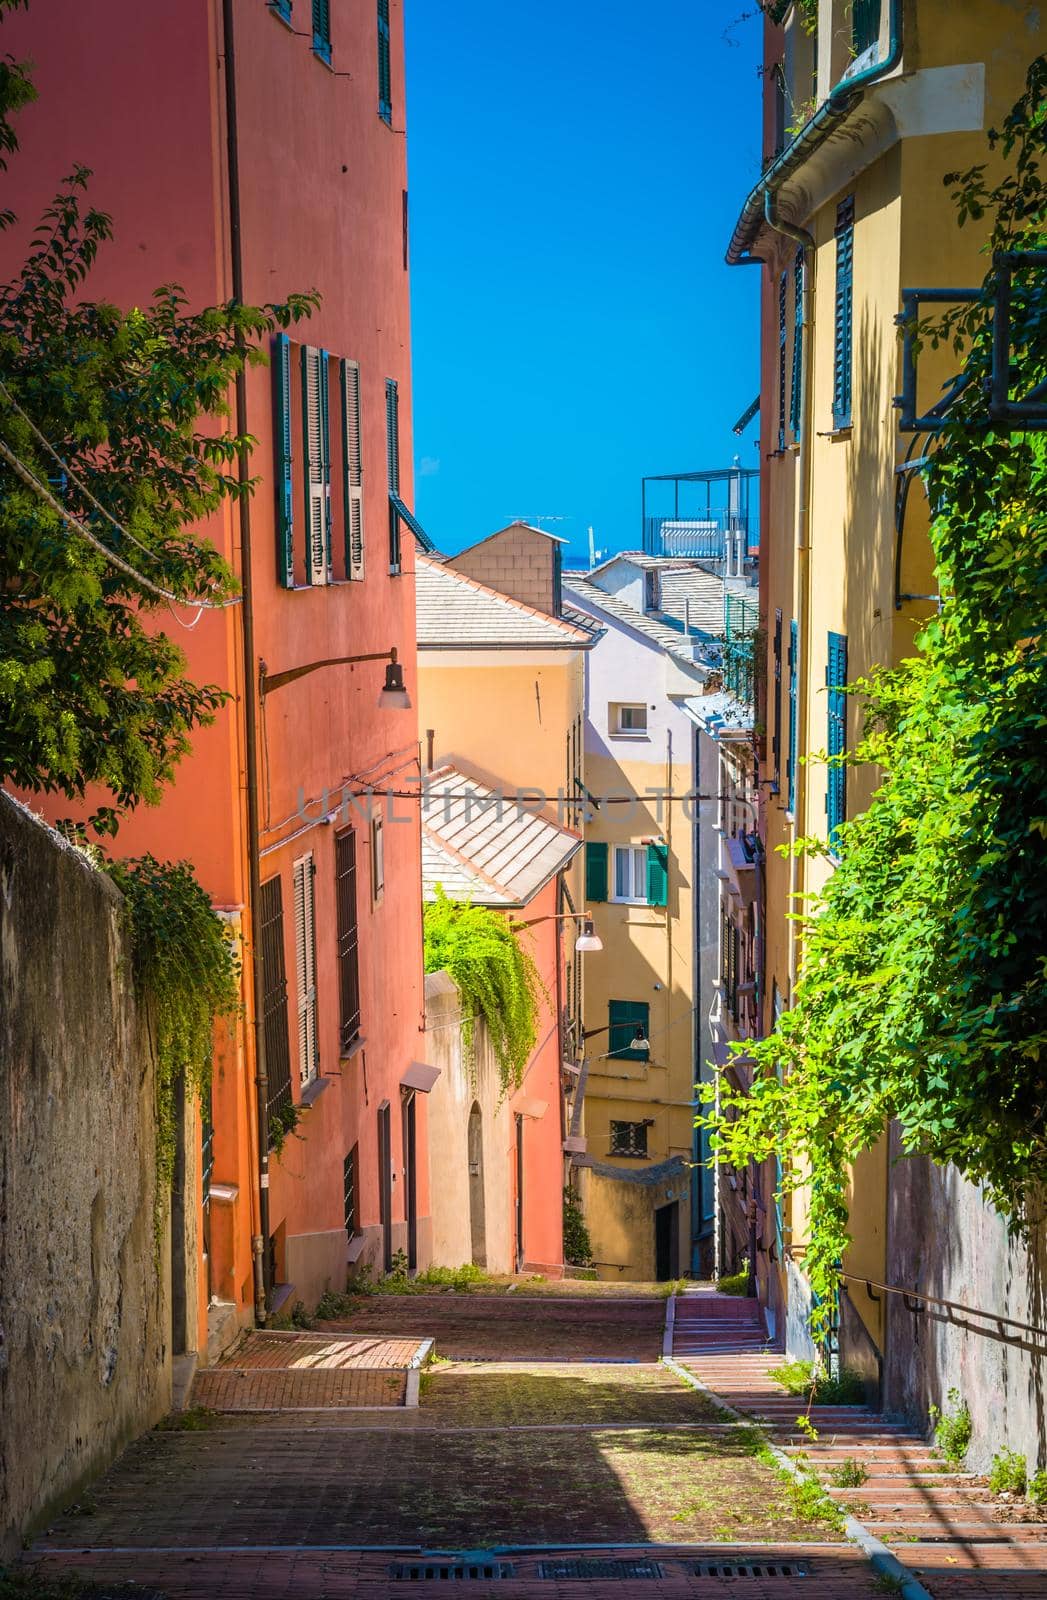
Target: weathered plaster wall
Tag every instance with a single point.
(944, 1240)
(620, 1206)
(84, 1357)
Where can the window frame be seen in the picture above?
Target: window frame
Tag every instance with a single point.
(385, 64)
(619, 731)
(351, 1192)
(637, 1135)
(637, 854)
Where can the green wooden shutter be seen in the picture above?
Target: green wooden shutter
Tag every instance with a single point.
(624, 1016)
(283, 461)
(796, 393)
(843, 331)
(657, 874)
(322, 28)
(794, 715)
(385, 76)
(352, 456)
(392, 461)
(783, 301)
(776, 737)
(836, 742)
(596, 870)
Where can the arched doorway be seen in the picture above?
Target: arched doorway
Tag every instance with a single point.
(477, 1215)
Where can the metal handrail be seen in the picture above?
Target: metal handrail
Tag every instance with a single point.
(951, 1305)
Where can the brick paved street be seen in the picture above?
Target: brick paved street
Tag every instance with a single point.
(534, 1463)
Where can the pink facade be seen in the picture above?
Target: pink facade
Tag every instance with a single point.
(138, 94)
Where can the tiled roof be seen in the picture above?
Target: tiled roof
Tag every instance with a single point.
(456, 612)
(718, 713)
(705, 591)
(480, 847)
(668, 639)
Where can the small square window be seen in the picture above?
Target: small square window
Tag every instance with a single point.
(628, 1138)
(630, 874)
(628, 718)
(377, 858)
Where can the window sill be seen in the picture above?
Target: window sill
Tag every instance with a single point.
(348, 1051)
(313, 1090)
(836, 435)
(636, 738)
(622, 900)
(627, 1155)
(324, 57)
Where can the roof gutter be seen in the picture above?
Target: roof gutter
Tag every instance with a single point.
(812, 135)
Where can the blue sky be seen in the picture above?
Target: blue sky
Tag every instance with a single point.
(575, 172)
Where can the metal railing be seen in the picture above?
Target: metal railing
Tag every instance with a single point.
(701, 538)
(741, 625)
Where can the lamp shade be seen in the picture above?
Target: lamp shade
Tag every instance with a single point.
(588, 939)
(394, 696)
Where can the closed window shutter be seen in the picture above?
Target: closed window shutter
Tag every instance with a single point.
(596, 871)
(796, 395)
(392, 457)
(844, 314)
(385, 77)
(317, 433)
(322, 28)
(282, 470)
(776, 737)
(783, 300)
(836, 781)
(354, 474)
(624, 1016)
(794, 714)
(305, 961)
(657, 874)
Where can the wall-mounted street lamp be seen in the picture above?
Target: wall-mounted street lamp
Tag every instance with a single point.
(588, 939)
(393, 695)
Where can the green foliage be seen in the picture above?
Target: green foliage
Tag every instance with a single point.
(922, 996)
(952, 1430)
(92, 692)
(1008, 1473)
(496, 978)
(1038, 1488)
(850, 1473)
(735, 1282)
(283, 1122)
(808, 1378)
(811, 1504)
(186, 968)
(577, 1246)
(27, 1583)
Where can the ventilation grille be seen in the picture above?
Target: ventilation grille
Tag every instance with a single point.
(599, 1569)
(450, 1571)
(749, 1569)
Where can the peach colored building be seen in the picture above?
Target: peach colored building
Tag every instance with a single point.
(196, 115)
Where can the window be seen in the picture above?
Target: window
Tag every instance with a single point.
(776, 740)
(392, 456)
(274, 1001)
(377, 858)
(836, 743)
(316, 431)
(844, 316)
(405, 225)
(352, 459)
(385, 78)
(651, 590)
(348, 937)
(351, 1191)
(305, 965)
(630, 874)
(628, 719)
(730, 952)
(284, 461)
(783, 335)
(282, 8)
(322, 29)
(625, 1018)
(629, 1139)
(794, 716)
(796, 392)
(865, 25)
(596, 870)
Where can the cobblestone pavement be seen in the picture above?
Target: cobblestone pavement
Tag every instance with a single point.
(535, 1462)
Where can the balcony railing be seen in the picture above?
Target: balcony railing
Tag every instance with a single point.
(741, 626)
(702, 516)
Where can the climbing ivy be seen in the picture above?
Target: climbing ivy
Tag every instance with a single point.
(922, 993)
(186, 970)
(496, 978)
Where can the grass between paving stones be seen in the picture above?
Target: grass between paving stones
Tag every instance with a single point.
(482, 1396)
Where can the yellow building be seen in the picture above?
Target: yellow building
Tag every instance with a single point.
(863, 118)
(654, 889)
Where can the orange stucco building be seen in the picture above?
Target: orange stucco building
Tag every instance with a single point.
(142, 97)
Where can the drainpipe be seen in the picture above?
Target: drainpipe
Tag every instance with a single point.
(829, 115)
(262, 1284)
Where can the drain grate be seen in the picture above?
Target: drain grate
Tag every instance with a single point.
(599, 1569)
(450, 1571)
(749, 1569)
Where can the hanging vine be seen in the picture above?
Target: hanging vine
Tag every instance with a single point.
(922, 995)
(186, 970)
(496, 978)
